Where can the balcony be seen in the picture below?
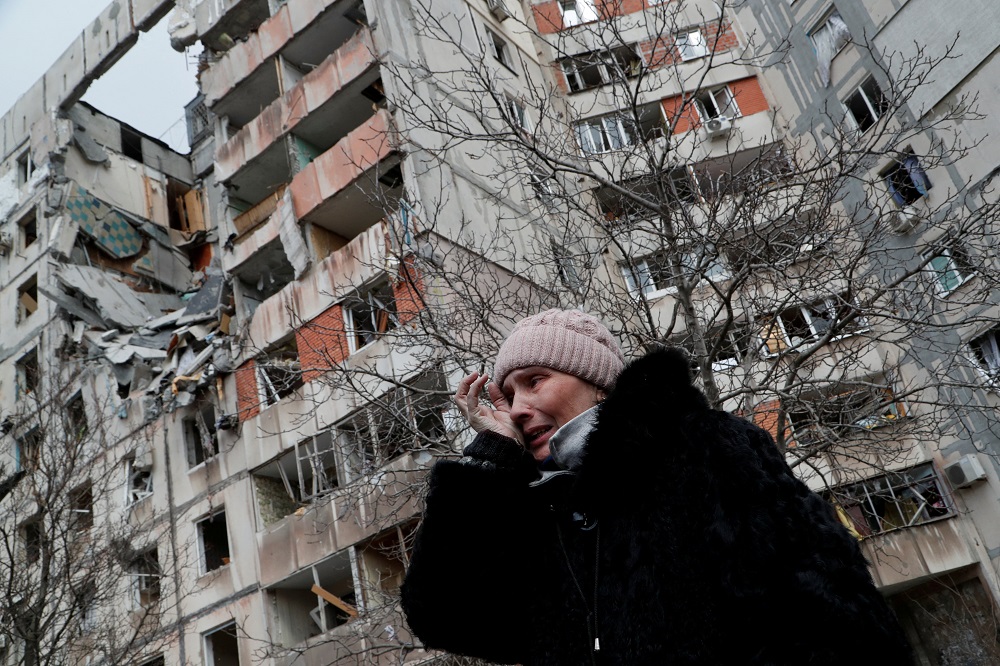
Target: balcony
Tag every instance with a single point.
(250, 76)
(311, 117)
(323, 194)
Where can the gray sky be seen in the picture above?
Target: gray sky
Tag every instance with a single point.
(147, 88)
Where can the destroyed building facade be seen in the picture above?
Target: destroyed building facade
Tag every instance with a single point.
(248, 349)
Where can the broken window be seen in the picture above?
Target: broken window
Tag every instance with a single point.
(399, 421)
(144, 573)
(906, 180)
(653, 276)
(27, 298)
(949, 268)
(28, 450)
(515, 114)
(76, 417)
(213, 542)
(199, 120)
(200, 436)
(184, 207)
(303, 475)
(315, 600)
(33, 539)
(780, 243)
(986, 352)
(28, 227)
(279, 372)
(383, 562)
(500, 49)
(617, 131)
(717, 103)
(27, 372)
(138, 481)
(894, 501)
(828, 37)
(596, 68)
(375, 92)
(81, 508)
(25, 168)
(866, 105)
(691, 44)
(726, 347)
(824, 419)
(804, 324)
(575, 12)
(370, 315)
(131, 143)
(85, 607)
(221, 646)
(566, 268)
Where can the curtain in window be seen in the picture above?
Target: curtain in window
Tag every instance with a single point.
(917, 174)
(829, 39)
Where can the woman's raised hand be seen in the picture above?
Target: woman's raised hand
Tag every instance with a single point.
(495, 416)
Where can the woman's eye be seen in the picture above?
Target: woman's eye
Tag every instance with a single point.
(534, 381)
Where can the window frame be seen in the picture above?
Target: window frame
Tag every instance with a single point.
(500, 49)
(202, 552)
(624, 60)
(133, 493)
(959, 264)
(876, 108)
(869, 407)
(729, 110)
(901, 192)
(988, 367)
(689, 51)
(588, 14)
(894, 484)
(516, 113)
(367, 297)
(806, 312)
(650, 281)
(357, 436)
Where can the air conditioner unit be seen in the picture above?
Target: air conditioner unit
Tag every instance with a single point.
(718, 126)
(965, 471)
(907, 218)
(498, 9)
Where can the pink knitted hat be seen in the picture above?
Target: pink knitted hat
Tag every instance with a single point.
(570, 341)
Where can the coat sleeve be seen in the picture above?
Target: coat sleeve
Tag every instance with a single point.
(466, 587)
(793, 563)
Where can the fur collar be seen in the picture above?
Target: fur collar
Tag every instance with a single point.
(650, 407)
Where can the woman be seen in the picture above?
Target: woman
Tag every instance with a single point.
(605, 514)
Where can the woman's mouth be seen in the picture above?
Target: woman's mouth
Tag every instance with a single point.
(535, 437)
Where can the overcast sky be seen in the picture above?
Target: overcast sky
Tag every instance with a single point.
(147, 88)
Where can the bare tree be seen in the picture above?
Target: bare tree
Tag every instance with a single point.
(86, 575)
(633, 167)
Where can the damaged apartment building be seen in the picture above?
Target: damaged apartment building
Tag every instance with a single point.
(223, 374)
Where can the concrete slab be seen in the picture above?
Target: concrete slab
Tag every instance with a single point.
(147, 13)
(275, 32)
(303, 12)
(108, 37)
(65, 73)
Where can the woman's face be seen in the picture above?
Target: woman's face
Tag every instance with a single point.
(542, 400)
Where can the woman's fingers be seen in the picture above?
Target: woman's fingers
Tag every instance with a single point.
(497, 398)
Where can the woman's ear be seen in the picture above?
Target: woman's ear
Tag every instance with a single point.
(600, 395)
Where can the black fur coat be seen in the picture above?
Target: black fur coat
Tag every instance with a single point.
(707, 549)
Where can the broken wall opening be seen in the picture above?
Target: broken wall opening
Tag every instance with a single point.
(279, 372)
(399, 421)
(222, 646)
(306, 474)
(27, 373)
(383, 561)
(314, 601)
(27, 298)
(28, 228)
(201, 438)
(213, 542)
